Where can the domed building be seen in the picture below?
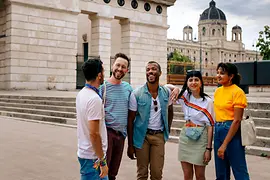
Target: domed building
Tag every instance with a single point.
(212, 45)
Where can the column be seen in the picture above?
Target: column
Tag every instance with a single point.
(101, 40)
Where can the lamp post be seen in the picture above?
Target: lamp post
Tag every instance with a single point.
(255, 45)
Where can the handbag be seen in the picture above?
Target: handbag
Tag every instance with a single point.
(194, 133)
(248, 131)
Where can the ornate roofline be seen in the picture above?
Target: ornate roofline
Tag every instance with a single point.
(164, 2)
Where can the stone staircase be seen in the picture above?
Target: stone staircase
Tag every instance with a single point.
(61, 111)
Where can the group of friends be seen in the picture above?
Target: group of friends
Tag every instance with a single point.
(109, 110)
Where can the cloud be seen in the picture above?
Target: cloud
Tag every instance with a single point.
(251, 15)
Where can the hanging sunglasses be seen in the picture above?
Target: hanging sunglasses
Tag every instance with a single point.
(155, 104)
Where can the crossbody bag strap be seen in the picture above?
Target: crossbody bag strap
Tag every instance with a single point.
(104, 93)
(198, 108)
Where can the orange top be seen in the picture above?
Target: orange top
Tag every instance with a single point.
(226, 99)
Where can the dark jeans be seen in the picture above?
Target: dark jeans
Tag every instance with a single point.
(234, 155)
(115, 149)
(88, 172)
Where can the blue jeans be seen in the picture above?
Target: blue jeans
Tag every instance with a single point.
(234, 155)
(88, 172)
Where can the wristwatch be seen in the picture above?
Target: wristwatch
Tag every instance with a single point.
(209, 149)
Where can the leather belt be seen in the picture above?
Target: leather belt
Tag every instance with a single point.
(153, 132)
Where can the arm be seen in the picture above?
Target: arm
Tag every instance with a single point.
(131, 117)
(238, 114)
(170, 116)
(95, 138)
(174, 91)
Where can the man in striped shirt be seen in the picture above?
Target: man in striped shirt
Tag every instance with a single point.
(116, 112)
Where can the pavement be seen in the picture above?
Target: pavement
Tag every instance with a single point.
(40, 151)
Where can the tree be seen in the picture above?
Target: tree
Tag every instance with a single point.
(264, 43)
(177, 56)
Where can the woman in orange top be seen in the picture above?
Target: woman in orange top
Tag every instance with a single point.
(229, 104)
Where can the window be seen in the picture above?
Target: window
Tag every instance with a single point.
(188, 51)
(223, 31)
(181, 50)
(203, 31)
(230, 60)
(213, 32)
(206, 53)
(206, 74)
(194, 52)
(235, 55)
(234, 60)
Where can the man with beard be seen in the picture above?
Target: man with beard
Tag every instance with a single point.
(150, 130)
(116, 112)
(91, 128)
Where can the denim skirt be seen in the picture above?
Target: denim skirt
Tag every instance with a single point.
(192, 151)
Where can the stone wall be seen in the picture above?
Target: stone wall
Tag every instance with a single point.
(42, 45)
(3, 68)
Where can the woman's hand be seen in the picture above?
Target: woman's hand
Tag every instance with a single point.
(207, 156)
(221, 151)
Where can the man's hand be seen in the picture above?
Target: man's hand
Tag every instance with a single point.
(103, 171)
(174, 94)
(131, 152)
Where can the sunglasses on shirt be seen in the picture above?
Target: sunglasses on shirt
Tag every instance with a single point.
(155, 104)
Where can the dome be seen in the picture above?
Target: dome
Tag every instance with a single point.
(188, 27)
(212, 13)
(237, 27)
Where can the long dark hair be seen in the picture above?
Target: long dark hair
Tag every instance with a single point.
(231, 69)
(185, 87)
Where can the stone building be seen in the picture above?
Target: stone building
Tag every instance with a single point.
(39, 40)
(212, 45)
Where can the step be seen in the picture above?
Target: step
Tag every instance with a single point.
(258, 113)
(69, 121)
(26, 101)
(46, 98)
(263, 131)
(178, 123)
(253, 150)
(264, 122)
(262, 142)
(39, 111)
(178, 115)
(37, 106)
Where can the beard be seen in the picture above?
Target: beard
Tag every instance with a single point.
(118, 76)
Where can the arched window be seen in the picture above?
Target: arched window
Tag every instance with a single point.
(223, 31)
(213, 32)
(206, 74)
(203, 31)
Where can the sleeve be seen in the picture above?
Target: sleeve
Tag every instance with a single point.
(94, 109)
(239, 99)
(210, 109)
(169, 94)
(132, 102)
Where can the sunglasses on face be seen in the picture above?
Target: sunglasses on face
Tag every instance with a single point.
(155, 104)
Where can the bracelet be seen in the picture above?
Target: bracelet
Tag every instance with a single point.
(100, 162)
(209, 149)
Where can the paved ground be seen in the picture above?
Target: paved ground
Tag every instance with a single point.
(33, 151)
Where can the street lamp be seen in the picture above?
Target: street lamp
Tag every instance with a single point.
(200, 51)
(255, 45)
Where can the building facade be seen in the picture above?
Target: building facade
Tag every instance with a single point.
(39, 40)
(212, 45)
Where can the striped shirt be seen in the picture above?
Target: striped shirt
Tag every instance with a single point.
(117, 105)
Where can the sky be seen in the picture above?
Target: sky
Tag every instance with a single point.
(250, 15)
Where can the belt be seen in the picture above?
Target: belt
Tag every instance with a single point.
(191, 124)
(153, 132)
(114, 131)
(224, 122)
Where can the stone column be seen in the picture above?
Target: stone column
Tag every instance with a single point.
(101, 40)
(144, 43)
